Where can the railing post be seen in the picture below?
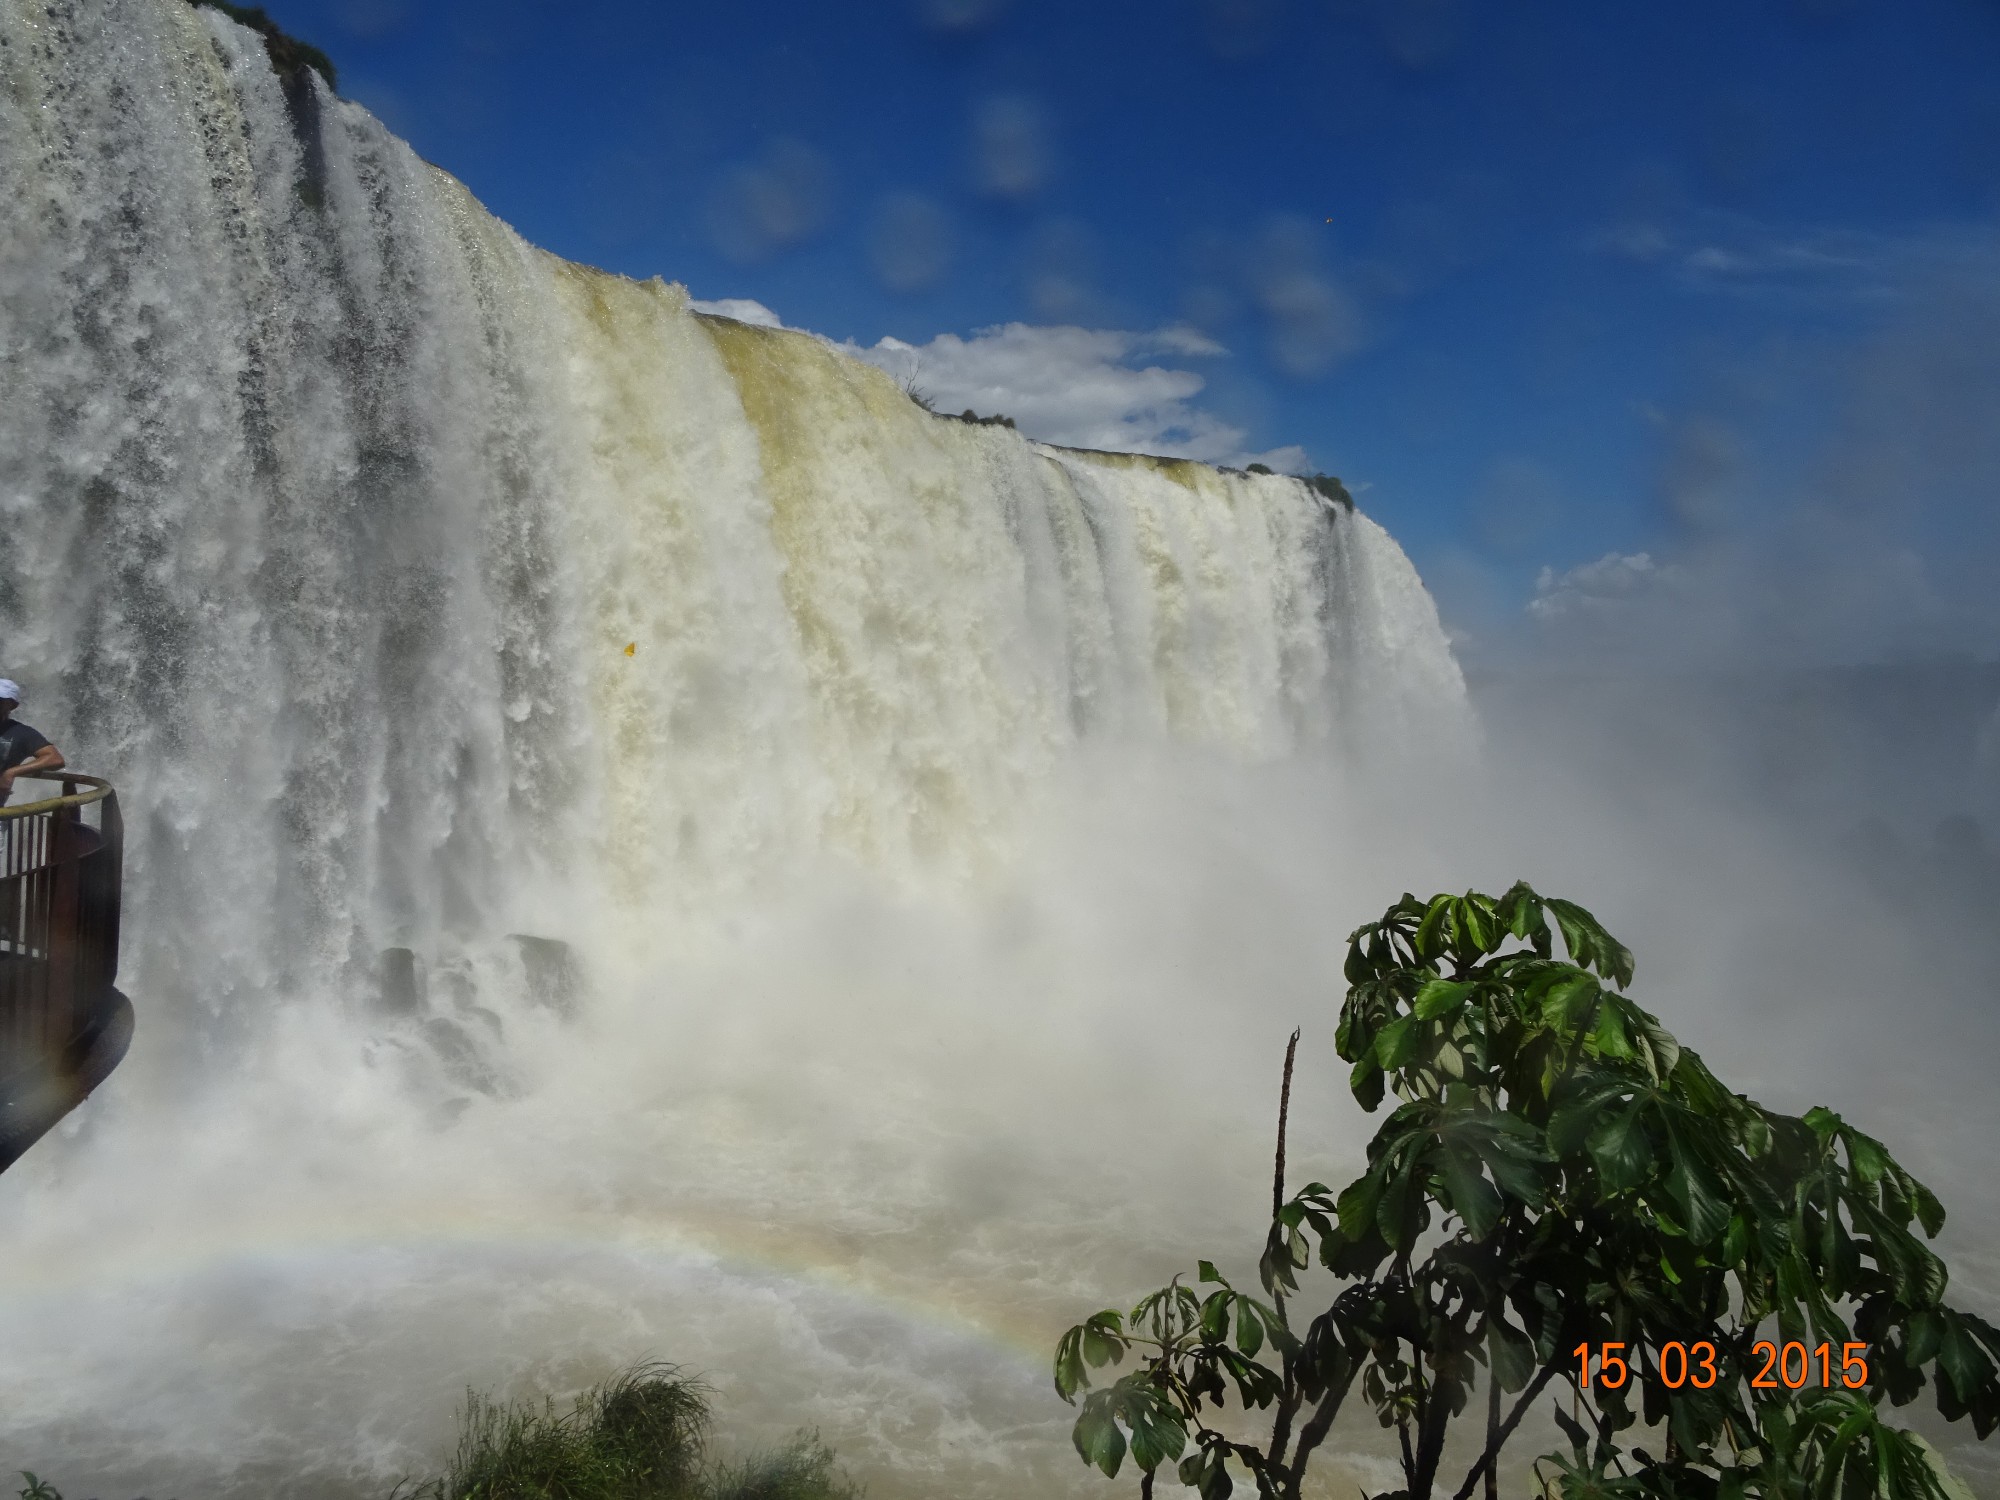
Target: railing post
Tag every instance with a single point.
(60, 1010)
(111, 827)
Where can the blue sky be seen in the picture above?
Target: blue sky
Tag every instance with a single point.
(1546, 283)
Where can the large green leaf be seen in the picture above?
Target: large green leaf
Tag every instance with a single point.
(1658, 1048)
(1512, 1354)
(1948, 1485)
(1566, 999)
(1620, 1147)
(1400, 1215)
(1215, 1316)
(1357, 1205)
(1207, 1473)
(1478, 925)
(1695, 1189)
(1610, 1036)
(1521, 910)
(1249, 1327)
(1099, 1340)
(1868, 1157)
(1441, 997)
(1467, 1192)
(1961, 1358)
(1096, 1434)
(1396, 1043)
(1918, 1276)
(1159, 1433)
(1430, 930)
(1581, 1108)
(1513, 1152)
(1930, 1212)
(1367, 1081)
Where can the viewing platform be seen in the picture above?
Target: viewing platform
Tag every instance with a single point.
(63, 1024)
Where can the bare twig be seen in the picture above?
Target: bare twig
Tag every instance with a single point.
(1288, 1402)
(1284, 1109)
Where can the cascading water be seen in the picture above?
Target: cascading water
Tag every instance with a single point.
(879, 771)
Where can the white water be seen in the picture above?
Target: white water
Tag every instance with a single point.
(942, 820)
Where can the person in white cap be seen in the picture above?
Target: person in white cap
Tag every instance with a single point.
(22, 748)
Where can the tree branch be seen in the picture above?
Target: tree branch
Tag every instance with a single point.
(1281, 1425)
(1317, 1426)
(1496, 1443)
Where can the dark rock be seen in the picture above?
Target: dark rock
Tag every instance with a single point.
(460, 1055)
(401, 983)
(554, 977)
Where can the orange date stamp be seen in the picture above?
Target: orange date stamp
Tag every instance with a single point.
(1788, 1366)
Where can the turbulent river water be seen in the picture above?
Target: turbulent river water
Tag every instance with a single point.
(916, 808)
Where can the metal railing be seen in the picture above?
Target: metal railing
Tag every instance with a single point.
(63, 1024)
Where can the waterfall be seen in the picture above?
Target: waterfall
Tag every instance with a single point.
(418, 587)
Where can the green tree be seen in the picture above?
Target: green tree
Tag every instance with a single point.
(1558, 1172)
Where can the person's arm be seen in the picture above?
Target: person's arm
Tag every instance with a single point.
(48, 758)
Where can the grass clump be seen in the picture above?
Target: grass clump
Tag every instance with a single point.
(641, 1436)
(801, 1470)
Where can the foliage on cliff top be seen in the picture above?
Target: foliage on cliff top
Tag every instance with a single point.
(1559, 1172)
(1330, 486)
(290, 57)
(1327, 485)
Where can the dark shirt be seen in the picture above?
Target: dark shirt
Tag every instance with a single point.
(18, 742)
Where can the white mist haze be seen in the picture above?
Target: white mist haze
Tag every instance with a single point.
(947, 830)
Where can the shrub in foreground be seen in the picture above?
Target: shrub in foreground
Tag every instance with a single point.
(641, 1436)
(1564, 1196)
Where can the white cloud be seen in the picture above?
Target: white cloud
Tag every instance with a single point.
(1079, 387)
(1075, 387)
(1735, 253)
(1614, 581)
(742, 309)
(1188, 341)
